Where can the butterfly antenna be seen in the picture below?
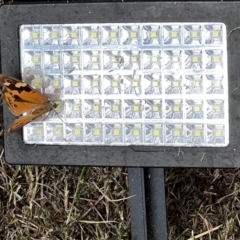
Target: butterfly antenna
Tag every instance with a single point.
(45, 117)
(60, 117)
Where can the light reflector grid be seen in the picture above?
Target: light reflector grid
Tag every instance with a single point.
(158, 84)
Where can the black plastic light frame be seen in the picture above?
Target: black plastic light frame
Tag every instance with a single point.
(16, 152)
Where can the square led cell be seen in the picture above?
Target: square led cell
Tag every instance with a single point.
(58, 113)
(112, 60)
(153, 83)
(92, 84)
(73, 108)
(111, 35)
(213, 34)
(32, 59)
(172, 59)
(52, 60)
(72, 84)
(192, 34)
(132, 84)
(151, 35)
(174, 109)
(35, 81)
(216, 134)
(175, 133)
(53, 84)
(194, 84)
(214, 84)
(94, 133)
(112, 84)
(173, 84)
(172, 34)
(70, 35)
(51, 35)
(152, 60)
(133, 133)
(91, 60)
(54, 132)
(132, 60)
(215, 109)
(154, 134)
(35, 132)
(71, 60)
(113, 108)
(30, 35)
(193, 59)
(153, 109)
(93, 108)
(195, 134)
(194, 109)
(91, 35)
(75, 132)
(214, 59)
(133, 109)
(113, 133)
(130, 35)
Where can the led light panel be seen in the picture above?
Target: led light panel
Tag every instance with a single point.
(157, 84)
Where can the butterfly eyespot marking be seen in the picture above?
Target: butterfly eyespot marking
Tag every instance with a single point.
(15, 105)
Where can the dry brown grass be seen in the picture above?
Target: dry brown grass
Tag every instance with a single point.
(199, 200)
(91, 203)
(63, 203)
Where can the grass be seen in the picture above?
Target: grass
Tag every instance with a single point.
(63, 203)
(199, 200)
(92, 203)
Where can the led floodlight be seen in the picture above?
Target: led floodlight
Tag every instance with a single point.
(146, 84)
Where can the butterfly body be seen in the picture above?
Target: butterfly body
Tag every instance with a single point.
(22, 98)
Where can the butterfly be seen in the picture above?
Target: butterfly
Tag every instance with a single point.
(22, 98)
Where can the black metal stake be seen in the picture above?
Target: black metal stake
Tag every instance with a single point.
(147, 205)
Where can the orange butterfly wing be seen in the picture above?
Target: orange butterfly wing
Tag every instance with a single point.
(22, 98)
(23, 120)
(19, 96)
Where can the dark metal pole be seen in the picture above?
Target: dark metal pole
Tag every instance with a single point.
(156, 203)
(137, 203)
(148, 204)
